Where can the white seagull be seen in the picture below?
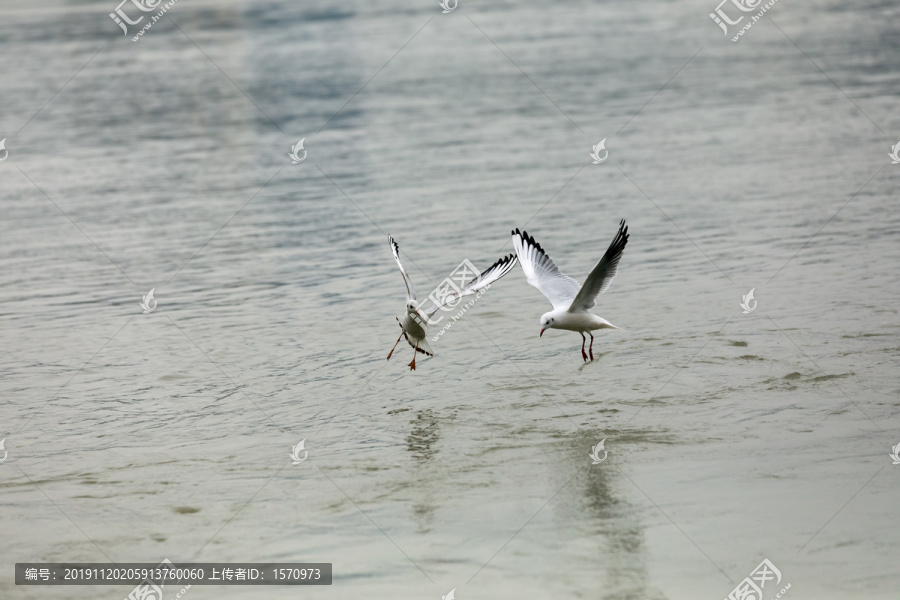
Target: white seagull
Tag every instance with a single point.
(570, 300)
(415, 322)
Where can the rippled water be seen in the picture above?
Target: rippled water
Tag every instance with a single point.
(163, 164)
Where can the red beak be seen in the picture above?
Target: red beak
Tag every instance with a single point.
(542, 332)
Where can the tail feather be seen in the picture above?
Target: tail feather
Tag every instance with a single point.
(425, 349)
(604, 324)
(422, 345)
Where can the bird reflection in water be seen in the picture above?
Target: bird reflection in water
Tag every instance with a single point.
(420, 441)
(624, 553)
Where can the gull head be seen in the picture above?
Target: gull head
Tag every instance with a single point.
(547, 322)
(412, 306)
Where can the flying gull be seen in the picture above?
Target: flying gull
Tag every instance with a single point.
(570, 300)
(414, 323)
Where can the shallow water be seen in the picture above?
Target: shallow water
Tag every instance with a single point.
(731, 437)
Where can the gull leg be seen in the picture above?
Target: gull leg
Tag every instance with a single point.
(583, 340)
(412, 365)
(395, 347)
(591, 349)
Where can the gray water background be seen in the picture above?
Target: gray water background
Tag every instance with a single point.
(163, 164)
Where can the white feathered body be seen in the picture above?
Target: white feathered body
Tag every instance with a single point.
(578, 322)
(414, 325)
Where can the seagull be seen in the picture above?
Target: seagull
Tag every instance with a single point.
(570, 300)
(415, 323)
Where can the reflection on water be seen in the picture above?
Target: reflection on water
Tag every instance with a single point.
(423, 435)
(602, 520)
(622, 534)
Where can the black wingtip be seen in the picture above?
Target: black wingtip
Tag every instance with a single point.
(503, 262)
(532, 242)
(621, 237)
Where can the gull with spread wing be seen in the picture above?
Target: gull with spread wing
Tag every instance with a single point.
(570, 300)
(414, 323)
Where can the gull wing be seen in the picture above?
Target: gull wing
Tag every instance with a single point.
(542, 273)
(497, 270)
(602, 275)
(410, 290)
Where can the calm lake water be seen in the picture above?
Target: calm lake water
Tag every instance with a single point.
(731, 437)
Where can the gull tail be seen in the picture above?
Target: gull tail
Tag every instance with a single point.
(425, 349)
(420, 345)
(604, 324)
